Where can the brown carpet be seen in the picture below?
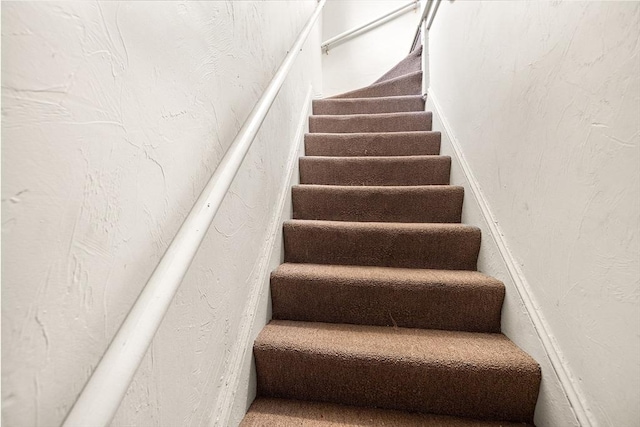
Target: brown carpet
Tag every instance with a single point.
(385, 104)
(427, 203)
(387, 170)
(273, 412)
(409, 84)
(411, 64)
(372, 144)
(380, 317)
(384, 122)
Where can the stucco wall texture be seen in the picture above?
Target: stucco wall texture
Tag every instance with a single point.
(544, 101)
(114, 115)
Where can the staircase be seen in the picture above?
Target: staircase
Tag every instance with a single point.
(379, 314)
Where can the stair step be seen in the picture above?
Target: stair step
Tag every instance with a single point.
(385, 104)
(410, 64)
(286, 412)
(408, 84)
(359, 123)
(429, 203)
(372, 144)
(405, 170)
(441, 372)
(410, 298)
(438, 246)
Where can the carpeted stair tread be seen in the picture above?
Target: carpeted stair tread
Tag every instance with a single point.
(410, 64)
(385, 122)
(438, 246)
(411, 298)
(273, 412)
(429, 203)
(386, 104)
(372, 144)
(464, 374)
(374, 170)
(408, 84)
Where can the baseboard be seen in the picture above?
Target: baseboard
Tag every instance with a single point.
(238, 391)
(496, 259)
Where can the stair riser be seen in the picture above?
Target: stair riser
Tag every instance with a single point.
(378, 204)
(371, 302)
(445, 249)
(462, 390)
(373, 144)
(367, 106)
(389, 171)
(401, 122)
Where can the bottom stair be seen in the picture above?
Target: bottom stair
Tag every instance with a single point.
(285, 413)
(463, 374)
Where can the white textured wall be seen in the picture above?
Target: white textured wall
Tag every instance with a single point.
(113, 117)
(544, 101)
(360, 61)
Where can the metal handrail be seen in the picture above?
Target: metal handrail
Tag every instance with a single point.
(368, 26)
(103, 393)
(425, 14)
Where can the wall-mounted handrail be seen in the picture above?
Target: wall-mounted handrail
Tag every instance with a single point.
(101, 396)
(425, 15)
(354, 32)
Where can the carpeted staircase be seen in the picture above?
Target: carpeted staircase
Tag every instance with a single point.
(379, 315)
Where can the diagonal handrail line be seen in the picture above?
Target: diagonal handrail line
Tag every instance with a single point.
(354, 32)
(101, 396)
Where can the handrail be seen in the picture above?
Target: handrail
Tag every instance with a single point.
(368, 26)
(433, 15)
(425, 14)
(101, 396)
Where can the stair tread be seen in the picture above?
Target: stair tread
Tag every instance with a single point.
(386, 244)
(287, 412)
(351, 117)
(421, 203)
(409, 277)
(353, 135)
(370, 159)
(372, 143)
(379, 98)
(389, 226)
(368, 122)
(385, 296)
(385, 104)
(448, 350)
(375, 170)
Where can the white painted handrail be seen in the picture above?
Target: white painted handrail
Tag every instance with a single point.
(368, 26)
(423, 18)
(425, 13)
(101, 396)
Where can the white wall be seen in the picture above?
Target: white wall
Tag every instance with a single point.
(543, 99)
(114, 115)
(360, 61)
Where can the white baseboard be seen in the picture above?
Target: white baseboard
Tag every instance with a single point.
(552, 412)
(239, 389)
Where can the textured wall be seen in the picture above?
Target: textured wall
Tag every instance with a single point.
(544, 100)
(360, 61)
(113, 117)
